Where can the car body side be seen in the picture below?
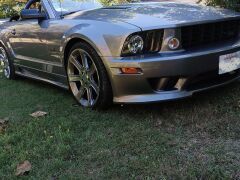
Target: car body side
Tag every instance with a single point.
(107, 34)
(58, 35)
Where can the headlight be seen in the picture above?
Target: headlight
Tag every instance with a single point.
(135, 44)
(144, 42)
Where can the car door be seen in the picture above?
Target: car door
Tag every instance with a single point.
(28, 40)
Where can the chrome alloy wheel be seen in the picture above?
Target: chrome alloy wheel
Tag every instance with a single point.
(4, 63)
(83, 78)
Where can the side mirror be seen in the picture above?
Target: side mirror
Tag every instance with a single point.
(32, 14)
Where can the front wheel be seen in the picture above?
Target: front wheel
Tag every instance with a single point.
(6, 64)
(87, 77)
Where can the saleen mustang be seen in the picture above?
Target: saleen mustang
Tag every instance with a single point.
(124, 53)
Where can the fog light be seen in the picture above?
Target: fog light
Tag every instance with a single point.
(173, 43)
(131, 70)
(135, 44)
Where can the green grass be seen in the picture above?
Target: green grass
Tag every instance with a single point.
(188, 139)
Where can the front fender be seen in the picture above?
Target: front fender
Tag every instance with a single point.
(105, 37)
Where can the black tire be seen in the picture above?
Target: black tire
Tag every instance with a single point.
(105, 98)
(11, 74)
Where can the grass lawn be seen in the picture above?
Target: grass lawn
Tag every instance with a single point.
(188, 139)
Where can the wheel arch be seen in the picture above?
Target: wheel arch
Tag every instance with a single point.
(71, 42)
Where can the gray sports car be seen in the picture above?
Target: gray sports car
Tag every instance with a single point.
(123, 53)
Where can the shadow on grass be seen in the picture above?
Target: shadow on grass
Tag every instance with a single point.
(197, 133)
(214, 112)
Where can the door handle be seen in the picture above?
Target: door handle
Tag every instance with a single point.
(14, 32)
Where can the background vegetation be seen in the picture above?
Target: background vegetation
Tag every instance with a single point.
(231, 4)
(9, 8)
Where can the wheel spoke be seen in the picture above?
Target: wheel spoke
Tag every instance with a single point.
(74, 78)
(4, 63)
(1, 62)
(80, 93)
(95, 87)
(89, 96)
(84, 60)
(1, 58)
(92, 70)
(75, 62)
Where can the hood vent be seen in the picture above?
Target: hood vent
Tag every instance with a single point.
(117, 7)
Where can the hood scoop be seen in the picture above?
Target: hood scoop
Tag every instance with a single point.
(117, 7)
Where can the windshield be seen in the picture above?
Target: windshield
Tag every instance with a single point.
(68, 6)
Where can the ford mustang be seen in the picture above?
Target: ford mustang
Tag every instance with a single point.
(137, 52)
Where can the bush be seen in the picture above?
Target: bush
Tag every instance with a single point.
(9, 8)
(231, 4)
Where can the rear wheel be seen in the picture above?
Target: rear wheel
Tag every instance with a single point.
(6, 64)
(87, 76)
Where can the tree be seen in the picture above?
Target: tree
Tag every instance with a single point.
(9, 8)
(231, 4)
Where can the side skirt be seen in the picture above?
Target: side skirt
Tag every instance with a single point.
(54, 79)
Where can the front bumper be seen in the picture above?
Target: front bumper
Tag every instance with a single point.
(169, 76)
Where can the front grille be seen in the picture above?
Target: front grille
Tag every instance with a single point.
(209, 33)
(153, 40)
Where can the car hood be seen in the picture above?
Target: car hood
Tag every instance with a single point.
(157, 15)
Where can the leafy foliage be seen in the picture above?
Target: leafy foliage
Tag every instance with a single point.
(231, 4)
(10, 8)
